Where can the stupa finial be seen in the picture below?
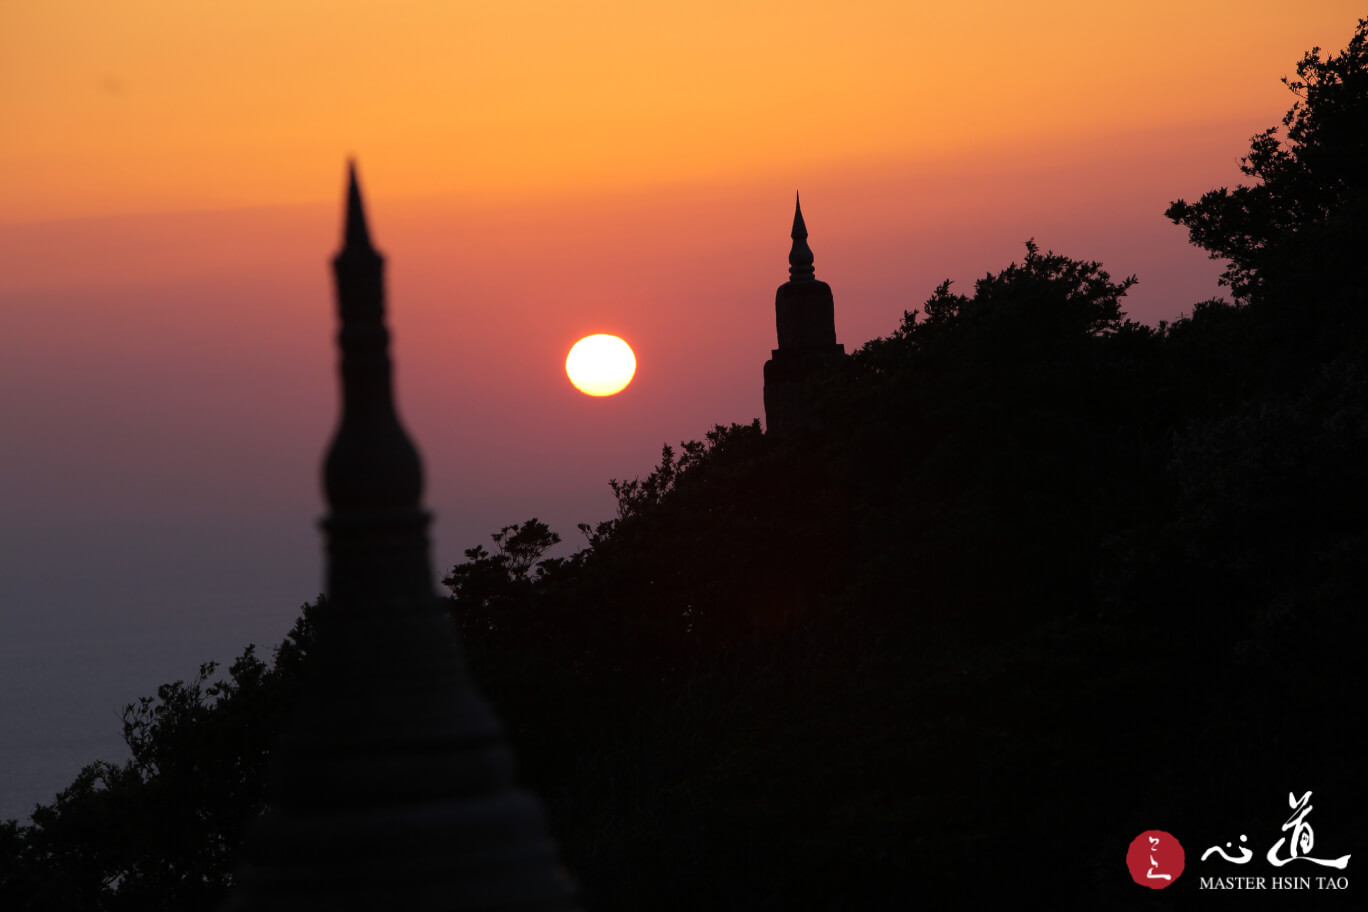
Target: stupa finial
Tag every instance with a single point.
(800, 257)
(355, 234)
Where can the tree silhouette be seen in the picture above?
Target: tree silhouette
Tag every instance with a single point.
(1301, 228)
(488, 580)
(161, 831)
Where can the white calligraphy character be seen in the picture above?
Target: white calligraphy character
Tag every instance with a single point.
(1154, 865)
(1244, 856)
(1303, 837)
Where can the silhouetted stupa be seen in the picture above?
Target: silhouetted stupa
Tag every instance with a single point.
(805, 315)
(392, 787)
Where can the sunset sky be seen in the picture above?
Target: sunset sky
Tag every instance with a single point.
(156, 106)
(535, 171)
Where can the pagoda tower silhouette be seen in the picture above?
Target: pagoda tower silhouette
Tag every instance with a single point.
(392, 787)
(805, 316)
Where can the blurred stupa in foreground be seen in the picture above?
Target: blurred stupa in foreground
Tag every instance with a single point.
(805, 316)
(392, 787)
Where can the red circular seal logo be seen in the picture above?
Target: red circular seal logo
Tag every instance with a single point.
(1155, 859)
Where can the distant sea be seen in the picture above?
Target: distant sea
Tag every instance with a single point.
(88, 626)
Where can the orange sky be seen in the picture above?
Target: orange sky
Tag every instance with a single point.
(163, 105)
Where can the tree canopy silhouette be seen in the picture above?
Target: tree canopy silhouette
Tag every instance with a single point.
(161, 830)
(1302, 227)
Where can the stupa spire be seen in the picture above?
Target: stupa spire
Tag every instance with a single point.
(355, 233)
(800, 256)
(372, 463)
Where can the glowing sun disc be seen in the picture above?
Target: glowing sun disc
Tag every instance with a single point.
(600, 365)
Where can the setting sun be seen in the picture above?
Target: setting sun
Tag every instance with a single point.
(600, 365)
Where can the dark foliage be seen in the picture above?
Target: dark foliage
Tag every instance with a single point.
(488, 583)
(161, 831)
(1297, 234)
